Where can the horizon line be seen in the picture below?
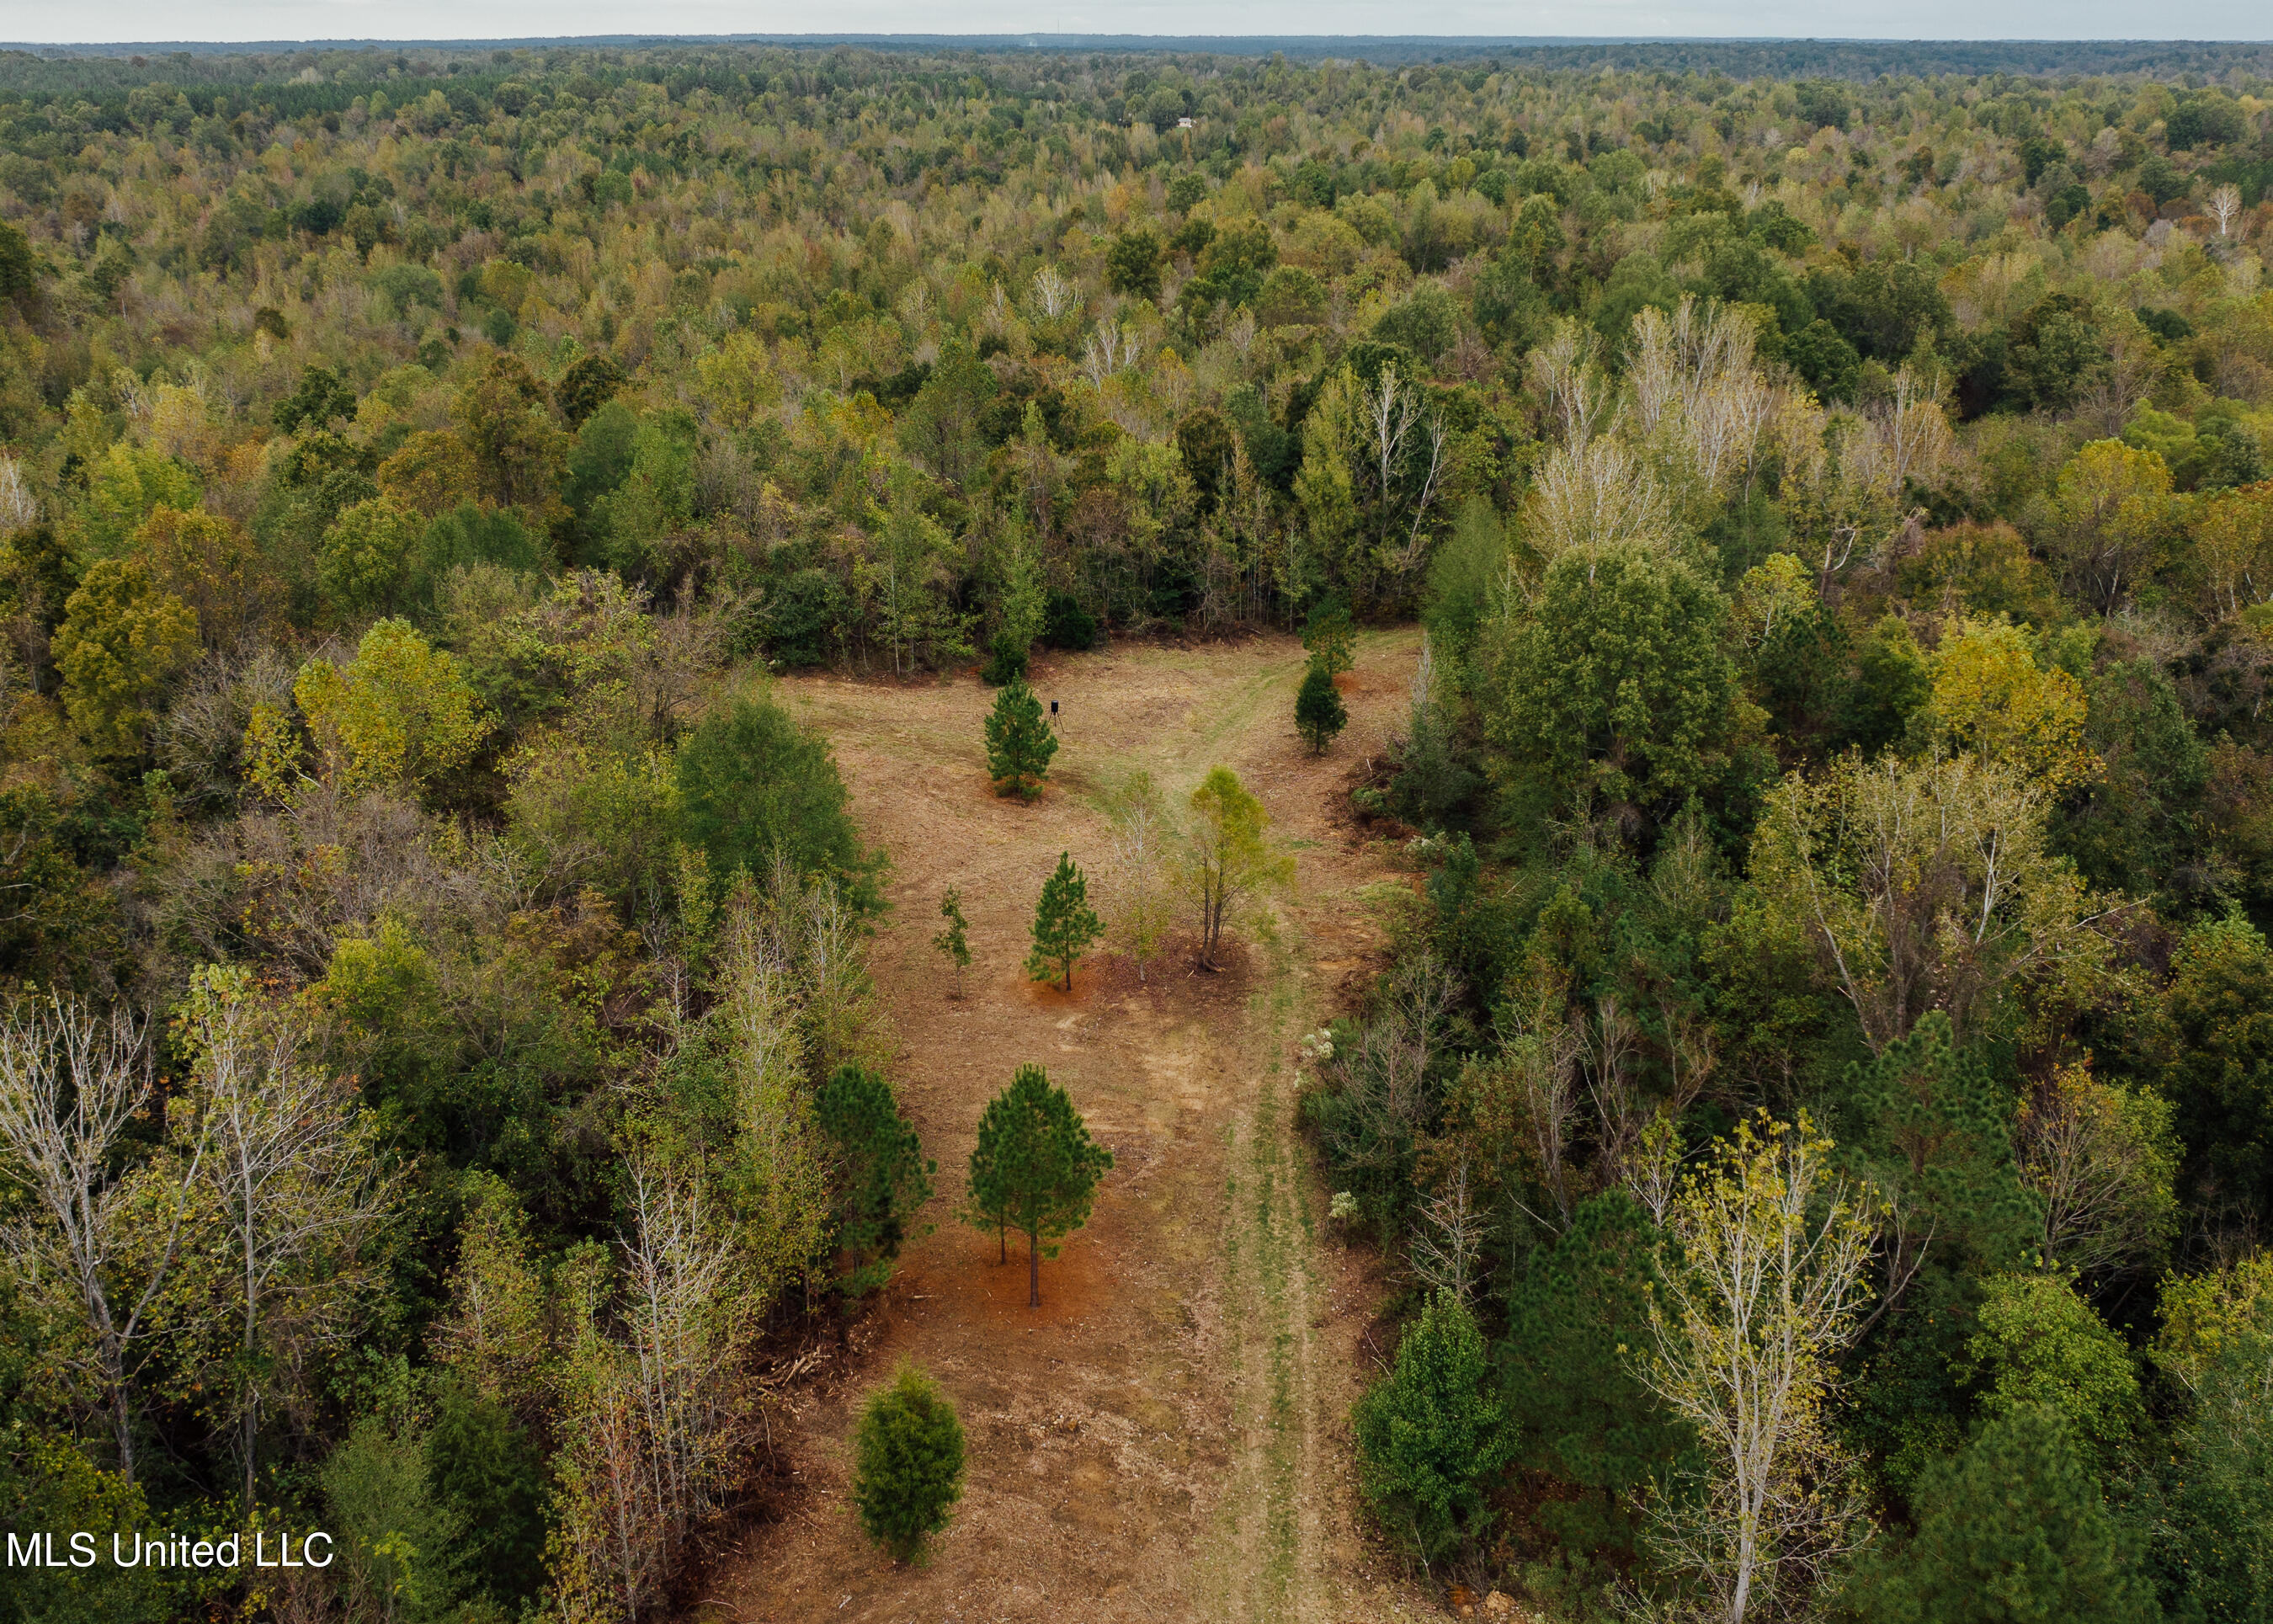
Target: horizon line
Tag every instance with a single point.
(1033, 39)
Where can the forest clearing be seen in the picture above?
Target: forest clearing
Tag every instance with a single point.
(1165, 1437)
(650, 718)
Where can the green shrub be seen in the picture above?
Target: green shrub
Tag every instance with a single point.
(1429, 1435)
(752, 782)
(910, 1470)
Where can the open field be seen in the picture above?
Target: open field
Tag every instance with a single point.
(1164, 1437)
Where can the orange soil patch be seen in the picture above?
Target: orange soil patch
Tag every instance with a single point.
(1165, 1438)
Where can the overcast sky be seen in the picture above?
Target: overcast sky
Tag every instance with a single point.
(53, 21)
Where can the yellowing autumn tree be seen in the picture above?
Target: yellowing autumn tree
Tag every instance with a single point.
(1760, 1284)
(1930, 885)
(400, 712)
(123, 636)
(1990, 696)
(2112, 515)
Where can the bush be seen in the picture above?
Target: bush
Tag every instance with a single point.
(751, 782)
(1429, 1435)
(1068, 625)
(1006, 661)
(910, 1470)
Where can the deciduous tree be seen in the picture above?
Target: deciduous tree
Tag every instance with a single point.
(1761, 1279)
(753, 783)
(121, 637)
(401, 712)
(1141, 836)
(294, 1176)
(1930, 885)
(70, 1084)
(1230, 856)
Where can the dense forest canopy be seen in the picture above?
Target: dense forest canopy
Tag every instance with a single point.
(1833, 480)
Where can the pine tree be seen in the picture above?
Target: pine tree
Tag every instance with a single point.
(910, 1469)
(1064, 924)
(1429, 1436)
(1329, 637)
(1034, 1169)
(1019, 742)
(1319, 713)
(882, 1177)
(2012, 1528)
(954, 943)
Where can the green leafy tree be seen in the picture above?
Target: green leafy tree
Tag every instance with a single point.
(589, 383)
(943, 428)
(2042, 1346)
(881, 1177)
(121, 637)
(1132, 265)
(2216, 1048)
(954, 943)
(751, 783)
(364, 561)
(2012, 1529)
(1019, 742)
(1230, 855)
(1430, 1434)
(2220, 1490)
(2059, 349)
(504, 414)
(401, 712)
(403, 1551)
(320, 399)
(1065, 926)
(908, 1471)
(1319, 713)
(1034, 1169)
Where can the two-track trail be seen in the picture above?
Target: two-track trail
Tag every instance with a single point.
(1165, 1438)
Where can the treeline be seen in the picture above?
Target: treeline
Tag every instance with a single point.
(1839, 512)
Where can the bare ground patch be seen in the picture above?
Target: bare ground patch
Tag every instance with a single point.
(1165, 1438)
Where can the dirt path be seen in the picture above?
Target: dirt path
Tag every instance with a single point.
(1163, 1438)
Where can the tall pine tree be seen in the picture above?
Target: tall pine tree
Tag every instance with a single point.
(881, 1175)
(2012, 1528)
(1034, 1169)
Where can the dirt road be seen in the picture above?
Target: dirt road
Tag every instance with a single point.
(1164, 1437)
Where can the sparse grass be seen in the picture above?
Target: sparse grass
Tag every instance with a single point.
(1160, 1440)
